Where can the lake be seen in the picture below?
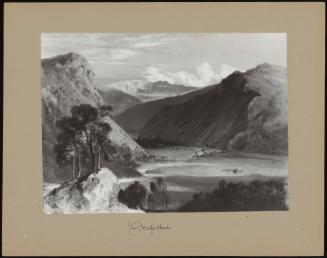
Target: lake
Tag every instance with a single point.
(187, 170)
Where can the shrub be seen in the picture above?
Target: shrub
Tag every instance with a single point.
(133, 196)
(137, 195)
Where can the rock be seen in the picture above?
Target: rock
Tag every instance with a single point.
(93, 193)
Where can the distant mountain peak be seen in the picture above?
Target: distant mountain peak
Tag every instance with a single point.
(161, 82)
(147, 91)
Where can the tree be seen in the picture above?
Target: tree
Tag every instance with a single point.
(134, 196)
(222, 185)
(94, 130)
(152, 199)
(158, 196)
(68, 141)
(84, 130)
(162, 189)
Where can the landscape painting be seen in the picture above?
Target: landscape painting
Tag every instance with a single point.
(164, 122)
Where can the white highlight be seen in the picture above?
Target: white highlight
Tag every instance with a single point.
(204, 75)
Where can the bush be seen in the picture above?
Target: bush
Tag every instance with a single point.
(133, 196)
(137, 196)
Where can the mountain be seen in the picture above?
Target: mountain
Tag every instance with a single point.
(147, 91)
(119, 100)
(135, 118)
(245, 112)
(68, 80)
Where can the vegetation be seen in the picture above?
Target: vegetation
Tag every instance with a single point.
(134, 196)
(83, 136)
(257, 196)
(156, 143)
(122, 166)
(158, 197)
(137, 196)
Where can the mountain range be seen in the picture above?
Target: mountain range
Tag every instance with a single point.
(135, 118)
(147, 91)
(246, 111)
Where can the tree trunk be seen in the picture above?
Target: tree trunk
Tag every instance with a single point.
(97, 148)
(92, 157)
(79, 163)
(99, 160)
(74, 165)
(90, 145)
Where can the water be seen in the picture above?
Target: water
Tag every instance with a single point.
(184, 174)
(181, 163)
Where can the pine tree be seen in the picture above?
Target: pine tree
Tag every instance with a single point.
(84, 130)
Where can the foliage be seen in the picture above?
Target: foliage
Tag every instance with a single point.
(137, 195)
(83, 136)
(134, 196)
(158, 197)
(257, 196)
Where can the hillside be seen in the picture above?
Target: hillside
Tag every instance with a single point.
(119, 100)
(147, 91)
(68, 80)
(135, 118)
(246, 112)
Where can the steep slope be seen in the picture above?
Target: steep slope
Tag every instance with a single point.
(68, 80)
(135, 118)
(246, 111)
(119, 100)
(147, 91)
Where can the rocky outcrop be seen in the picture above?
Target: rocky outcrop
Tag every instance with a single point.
(94, 193)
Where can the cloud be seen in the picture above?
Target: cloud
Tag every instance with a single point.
(204, 75)
(104, 62)
(147, 44)
(150, 40)
(153, 74)
(121, 54)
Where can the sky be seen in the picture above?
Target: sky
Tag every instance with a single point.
(193, 59)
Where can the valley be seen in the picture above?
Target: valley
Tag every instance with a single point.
(168, 147)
